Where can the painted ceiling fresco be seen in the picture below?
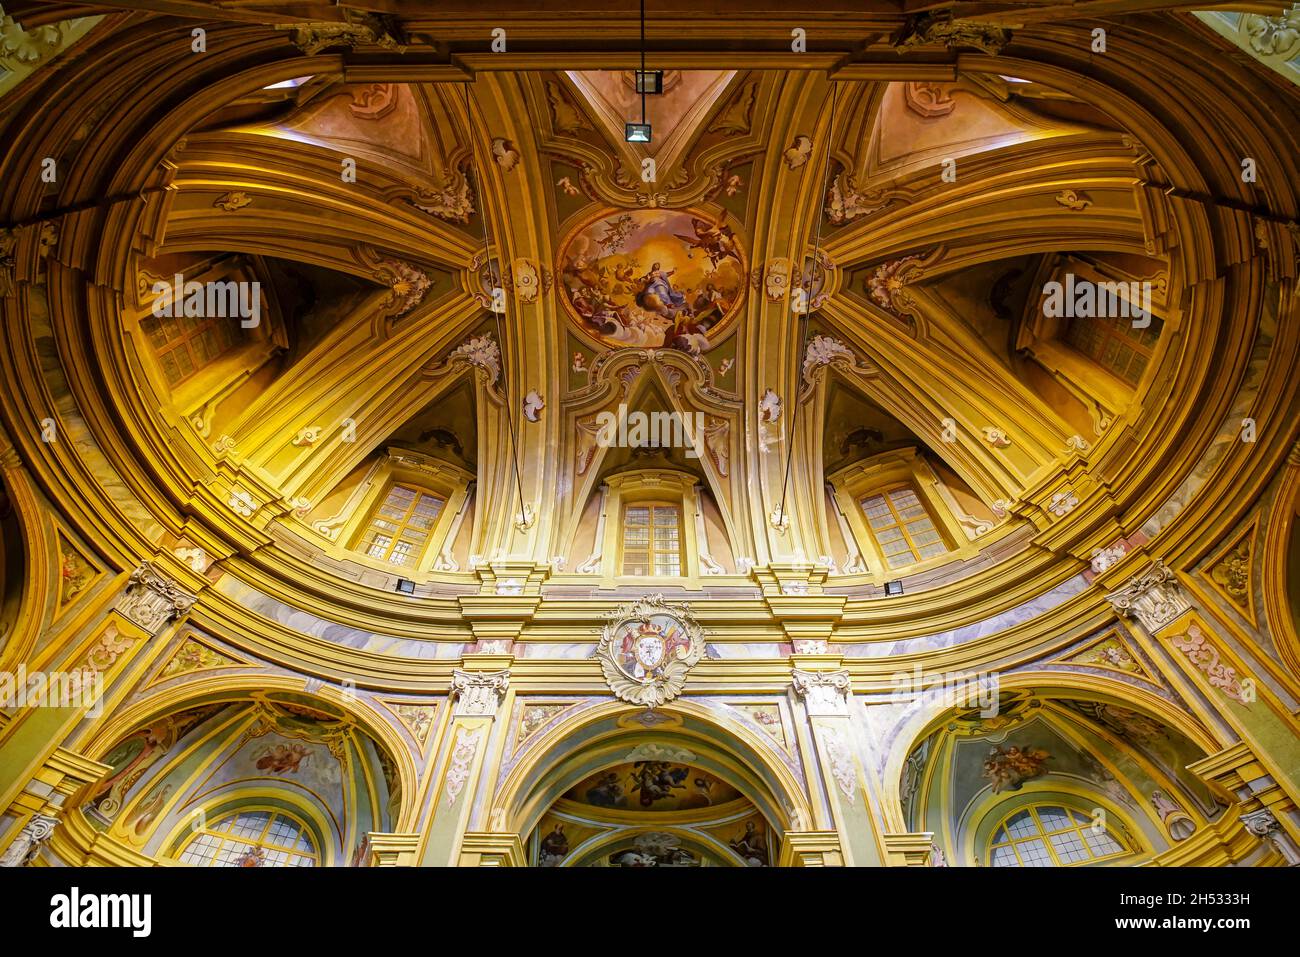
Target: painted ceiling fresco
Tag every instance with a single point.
(654, 278)
(653, 786)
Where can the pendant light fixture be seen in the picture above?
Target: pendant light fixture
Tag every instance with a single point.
(648, 83)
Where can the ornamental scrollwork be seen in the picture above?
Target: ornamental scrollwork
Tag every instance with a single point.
(647, 648)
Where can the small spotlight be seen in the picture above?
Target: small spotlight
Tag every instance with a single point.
(405, 587)
(650, 82)
(636, 132)
(894, 588)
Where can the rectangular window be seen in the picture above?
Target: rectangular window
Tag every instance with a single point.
(185, 344)
(903, 530)
(399, 528)
(1114, 344)
(652, 540)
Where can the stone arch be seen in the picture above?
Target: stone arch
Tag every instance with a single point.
(930, 716)
(602, 737)
(231, 689)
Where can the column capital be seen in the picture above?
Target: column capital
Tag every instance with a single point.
(1154, 597)
(478, 693)
(35, 833)
(1263, 824)
(152, 600)
(823, 692)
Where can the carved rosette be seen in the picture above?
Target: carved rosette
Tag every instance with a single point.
(824, 693)
(151, 600)
(647, 648)
(478, 693)
(1154, 597)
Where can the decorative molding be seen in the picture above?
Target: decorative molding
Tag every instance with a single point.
(1264, 825)
(478, 693)
(1201, 652)
(824, 693)
(1074, 199)
(887, 285)
(368, 30)
(941, 28)
(152, 600)
(406, 284)
(452, 202)
(928, 99)
(35, 833)
(374, 101)
(462, 755)
(647, 648)
(27, 48)
(1154, 597)
(232, 201)
(841, 762)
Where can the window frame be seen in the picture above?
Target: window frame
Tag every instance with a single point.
(426, 474)
(1043, 338)
(886, 472)
(664, 486)
(317, 854)
(194, 397)
(900, 523)
(652, 552)
(418, 494)
(1044, 836)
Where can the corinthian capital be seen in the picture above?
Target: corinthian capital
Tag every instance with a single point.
(824, 692)
(151, 600)
(1154, 597)
(478, 693)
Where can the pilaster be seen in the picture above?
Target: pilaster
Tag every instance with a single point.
(825, 692)
(1262, 805)
(1181, 633)
(29, 821)
(477, 693)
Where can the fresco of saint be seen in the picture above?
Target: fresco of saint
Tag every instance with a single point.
(654, 279)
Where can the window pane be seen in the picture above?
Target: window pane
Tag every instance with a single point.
(251, 839)
(400, 526)
(652, 540)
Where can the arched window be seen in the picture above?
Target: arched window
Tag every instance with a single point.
(1049, 835)
(652, 539)
(903, 530)
(252, 838)
(398, 529)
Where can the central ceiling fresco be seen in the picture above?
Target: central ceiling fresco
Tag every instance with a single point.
(654, 278)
